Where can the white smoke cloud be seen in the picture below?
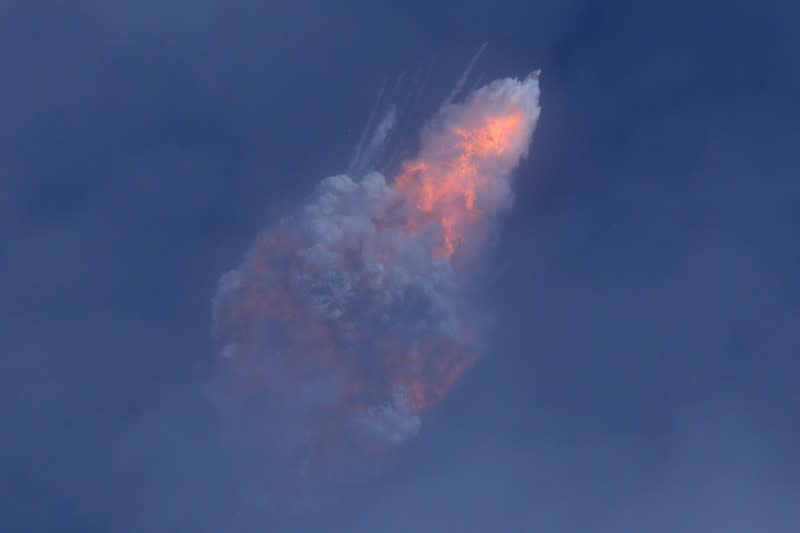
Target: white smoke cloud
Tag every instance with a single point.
(344, 323)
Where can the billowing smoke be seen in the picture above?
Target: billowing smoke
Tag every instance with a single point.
(349, 319)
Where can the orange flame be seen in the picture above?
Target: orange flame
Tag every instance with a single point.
(445, 189)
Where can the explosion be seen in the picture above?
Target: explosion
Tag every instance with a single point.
(351, 318)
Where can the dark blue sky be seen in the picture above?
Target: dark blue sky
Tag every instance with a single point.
(643, 371)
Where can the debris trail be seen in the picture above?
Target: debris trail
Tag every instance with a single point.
(464, 77)
(367, 127)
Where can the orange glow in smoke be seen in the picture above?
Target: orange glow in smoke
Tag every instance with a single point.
(445, 190)
(280, 343)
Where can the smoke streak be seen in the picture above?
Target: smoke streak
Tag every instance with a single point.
(464, 76)
(409, 108)
(376, 143)
(363, 137)
(351, 318)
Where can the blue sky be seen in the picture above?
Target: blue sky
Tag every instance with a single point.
(642, 372)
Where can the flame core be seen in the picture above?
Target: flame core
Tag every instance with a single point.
(445, 190)
(348, 320)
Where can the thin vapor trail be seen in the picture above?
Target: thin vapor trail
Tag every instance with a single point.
(463, 79)
(367, 127)
(408, 114)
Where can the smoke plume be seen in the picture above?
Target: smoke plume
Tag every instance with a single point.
(351, 318)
